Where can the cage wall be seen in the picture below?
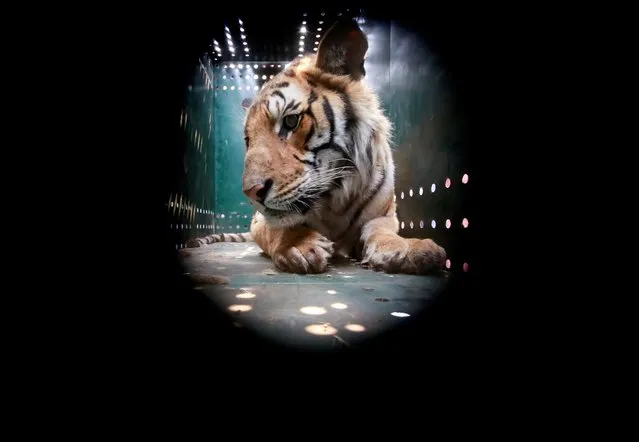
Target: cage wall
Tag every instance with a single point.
(433, 177)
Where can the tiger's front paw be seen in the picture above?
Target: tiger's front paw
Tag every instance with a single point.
(308, 254)
(393, 254)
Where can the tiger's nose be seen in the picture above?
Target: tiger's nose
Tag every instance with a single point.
(259, 191)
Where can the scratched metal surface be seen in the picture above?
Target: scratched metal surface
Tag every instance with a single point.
(337, 309)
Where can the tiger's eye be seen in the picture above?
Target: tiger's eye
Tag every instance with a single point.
(291, 121)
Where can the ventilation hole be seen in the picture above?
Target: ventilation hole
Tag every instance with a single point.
(381, 299)
(421, 224)
(401, 195)
(465, 267)
(402, 225)
(232, 88)
(224, 87)
(410, 192)
(411, 225)
(465, 222)
(433, 224)
(224, 77)
(255, 66)
(270, 76)
(433, 187)
(448, 263)
(222, 216)
(465, 178)
(447, 184)
(448, 224)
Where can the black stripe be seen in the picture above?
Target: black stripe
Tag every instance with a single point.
(312, 97)
(330, 116)
(282, 84)
(279, 94)
(349, 114)
(292, 106)
(367, 201)
(329, 145)
(289, 73)
(310, 132)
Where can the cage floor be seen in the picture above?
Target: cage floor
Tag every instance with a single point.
(339, 308)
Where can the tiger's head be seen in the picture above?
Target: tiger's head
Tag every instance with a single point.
(301, 130)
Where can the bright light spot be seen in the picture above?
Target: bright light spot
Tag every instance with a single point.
(447, 184)
(465, 222)
(401, 195)
(400, 314)
(348, 276)
(255, 87)
(303, 29)
(317, 42)
(247, 295)
(263, 77)
(317, 36)
(448, 224)
(354, 327)
(421, 224)
(465, 267)
(433, 187)
(448, 263)
(232, 66)
(320, 22)
(339, 306)
(240, 308)
(240, 66)
(304, 22)
(254, 66)
(410, 192)
(232, 88)
(256, 77)
(411, 225)
(302, 37)
(243, 36)
(421, 190)
(224, 77)
(402, 224)
(315, 49)
(319, 29)
(313, 310)
(331, 292)
(224, 87)
(246, 49)
(465, 178)
(433, 224)
(321, 329)
(241, 29)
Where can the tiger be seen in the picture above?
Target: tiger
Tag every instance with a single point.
(319, 168)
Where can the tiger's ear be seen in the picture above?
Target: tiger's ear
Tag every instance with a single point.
(342, 49)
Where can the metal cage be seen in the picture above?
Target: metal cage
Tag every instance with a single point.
(434, 178)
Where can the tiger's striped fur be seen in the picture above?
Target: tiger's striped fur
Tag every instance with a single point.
(221, 237)
(318, 150)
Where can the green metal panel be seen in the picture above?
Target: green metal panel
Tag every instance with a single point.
(234, 83)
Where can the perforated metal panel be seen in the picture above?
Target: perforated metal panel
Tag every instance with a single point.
(236, 84)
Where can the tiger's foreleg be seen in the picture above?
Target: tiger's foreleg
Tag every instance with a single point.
(294, 249)
(383, 249)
